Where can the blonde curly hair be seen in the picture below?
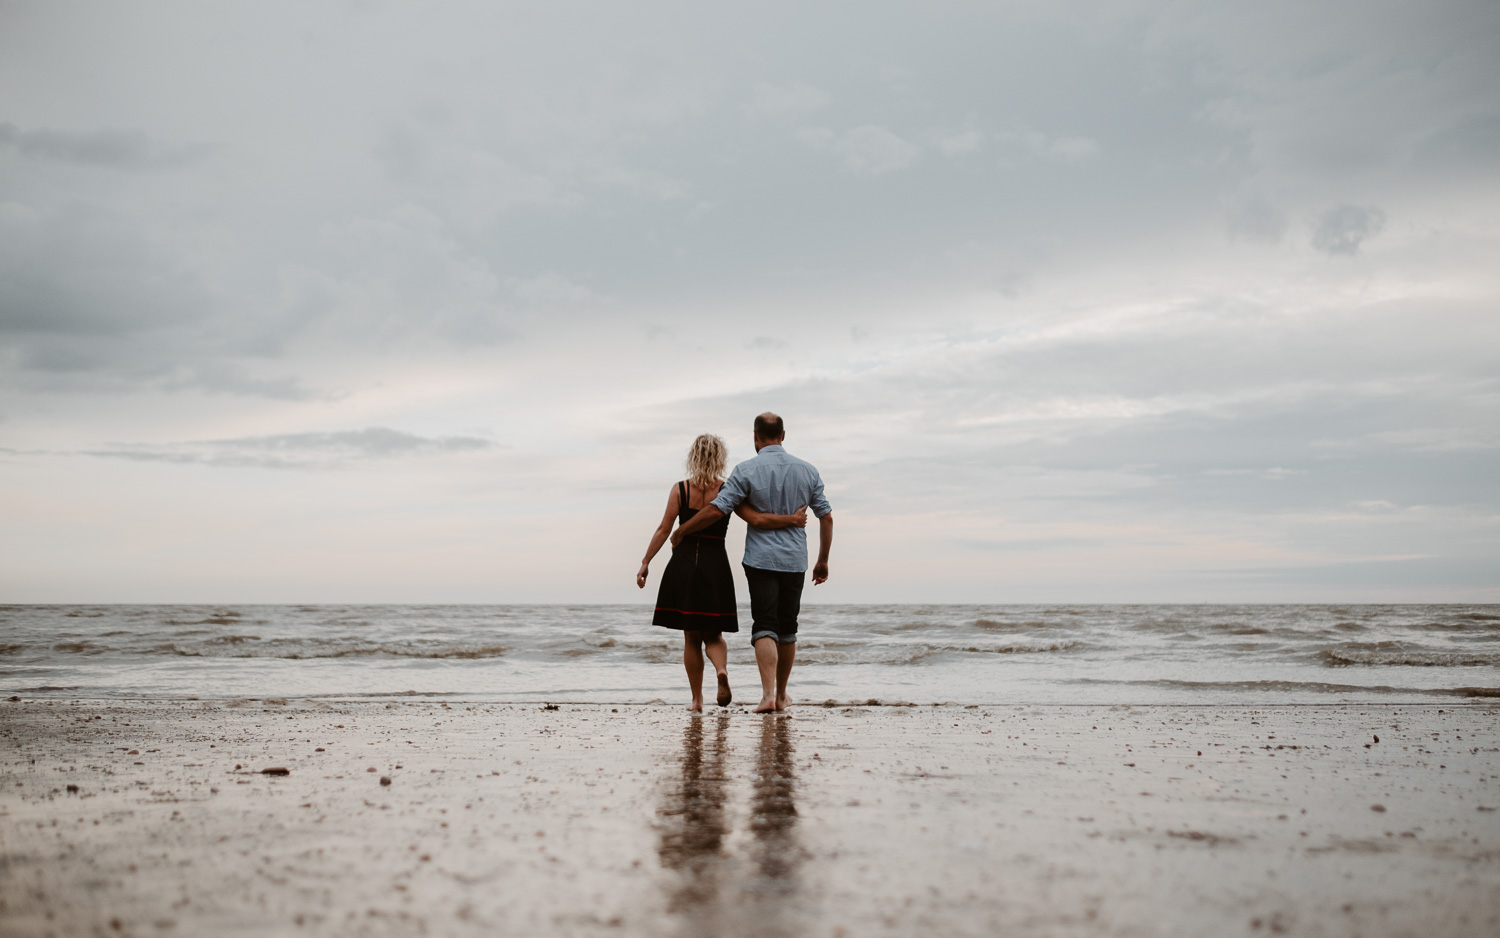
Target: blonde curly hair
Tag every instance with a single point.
(706, 460)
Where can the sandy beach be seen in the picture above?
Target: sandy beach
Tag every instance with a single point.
(414, 817)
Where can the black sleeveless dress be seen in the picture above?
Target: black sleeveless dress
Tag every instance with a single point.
(697, 588)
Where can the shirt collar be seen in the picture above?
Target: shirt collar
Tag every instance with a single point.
(771, 448)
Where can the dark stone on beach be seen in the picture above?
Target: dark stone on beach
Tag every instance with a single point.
(276, 770)
(1378, 808)
(550, 707)
(14, 699)
(319, 749)
(72, 789)
(385, 779)
(1377, 738)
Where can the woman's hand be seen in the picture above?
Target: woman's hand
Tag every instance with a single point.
(769, 522)
(640, 578)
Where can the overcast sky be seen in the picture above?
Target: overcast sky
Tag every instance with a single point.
(1126, 301)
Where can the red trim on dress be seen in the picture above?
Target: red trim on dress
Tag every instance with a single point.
(684, 612)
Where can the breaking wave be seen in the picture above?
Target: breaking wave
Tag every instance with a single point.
(1398, 654)
(303, 651)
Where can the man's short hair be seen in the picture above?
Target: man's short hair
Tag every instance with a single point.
(768, 426)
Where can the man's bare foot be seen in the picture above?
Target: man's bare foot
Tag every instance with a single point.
(766, 705)
(783, 702)
(724, 695)
(695, 707)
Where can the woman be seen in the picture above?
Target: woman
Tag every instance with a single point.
(697, 589)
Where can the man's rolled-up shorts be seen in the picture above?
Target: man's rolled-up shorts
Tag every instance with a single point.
(775, 601)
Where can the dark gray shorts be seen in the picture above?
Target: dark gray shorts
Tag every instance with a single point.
(775, 601)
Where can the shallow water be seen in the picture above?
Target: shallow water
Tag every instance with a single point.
(918, 654)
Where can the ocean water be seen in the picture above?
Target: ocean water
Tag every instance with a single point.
(980, 654)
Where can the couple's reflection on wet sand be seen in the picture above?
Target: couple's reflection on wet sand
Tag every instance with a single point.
(692, 837)
(714, 889)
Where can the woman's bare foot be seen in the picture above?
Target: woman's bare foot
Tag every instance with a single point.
(783, 702)
(724, 695)
(695, 707)
(766, 705)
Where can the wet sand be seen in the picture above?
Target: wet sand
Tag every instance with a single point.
(828, 821)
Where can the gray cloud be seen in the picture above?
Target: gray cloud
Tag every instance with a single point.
(1253, 217)
(1467, 145)
(1452, 571)
(1068, 149)
(961, 142)
(72, 271)
(300, 450)
(1029, 544)
(1343, 228)
(111, 149)
(868, 150)
(225, 378)
(787, 99)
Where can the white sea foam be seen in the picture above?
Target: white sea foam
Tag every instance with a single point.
(959, 653)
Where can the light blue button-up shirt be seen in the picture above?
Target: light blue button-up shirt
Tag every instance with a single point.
(778, 483)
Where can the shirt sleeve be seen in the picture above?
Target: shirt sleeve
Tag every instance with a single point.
(732, 492)
(818, 503)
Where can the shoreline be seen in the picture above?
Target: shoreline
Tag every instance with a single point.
(616, 819)
(1452, 698)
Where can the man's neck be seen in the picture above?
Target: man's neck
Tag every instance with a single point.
(762, 444)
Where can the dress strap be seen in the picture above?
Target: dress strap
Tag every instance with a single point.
(682, 493)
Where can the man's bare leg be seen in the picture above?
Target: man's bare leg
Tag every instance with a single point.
(766, 661)
(692, 660)
(786, 655)
(718, 655)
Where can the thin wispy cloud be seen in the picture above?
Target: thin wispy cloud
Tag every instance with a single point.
(109, 149)
(325, 450)
(868, 150)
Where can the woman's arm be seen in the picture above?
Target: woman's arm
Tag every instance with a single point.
(658, 537)
(768, 522)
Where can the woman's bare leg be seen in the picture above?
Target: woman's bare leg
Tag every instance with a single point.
(692, 660)
(718, 655)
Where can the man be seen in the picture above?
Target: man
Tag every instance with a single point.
(777, 482)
